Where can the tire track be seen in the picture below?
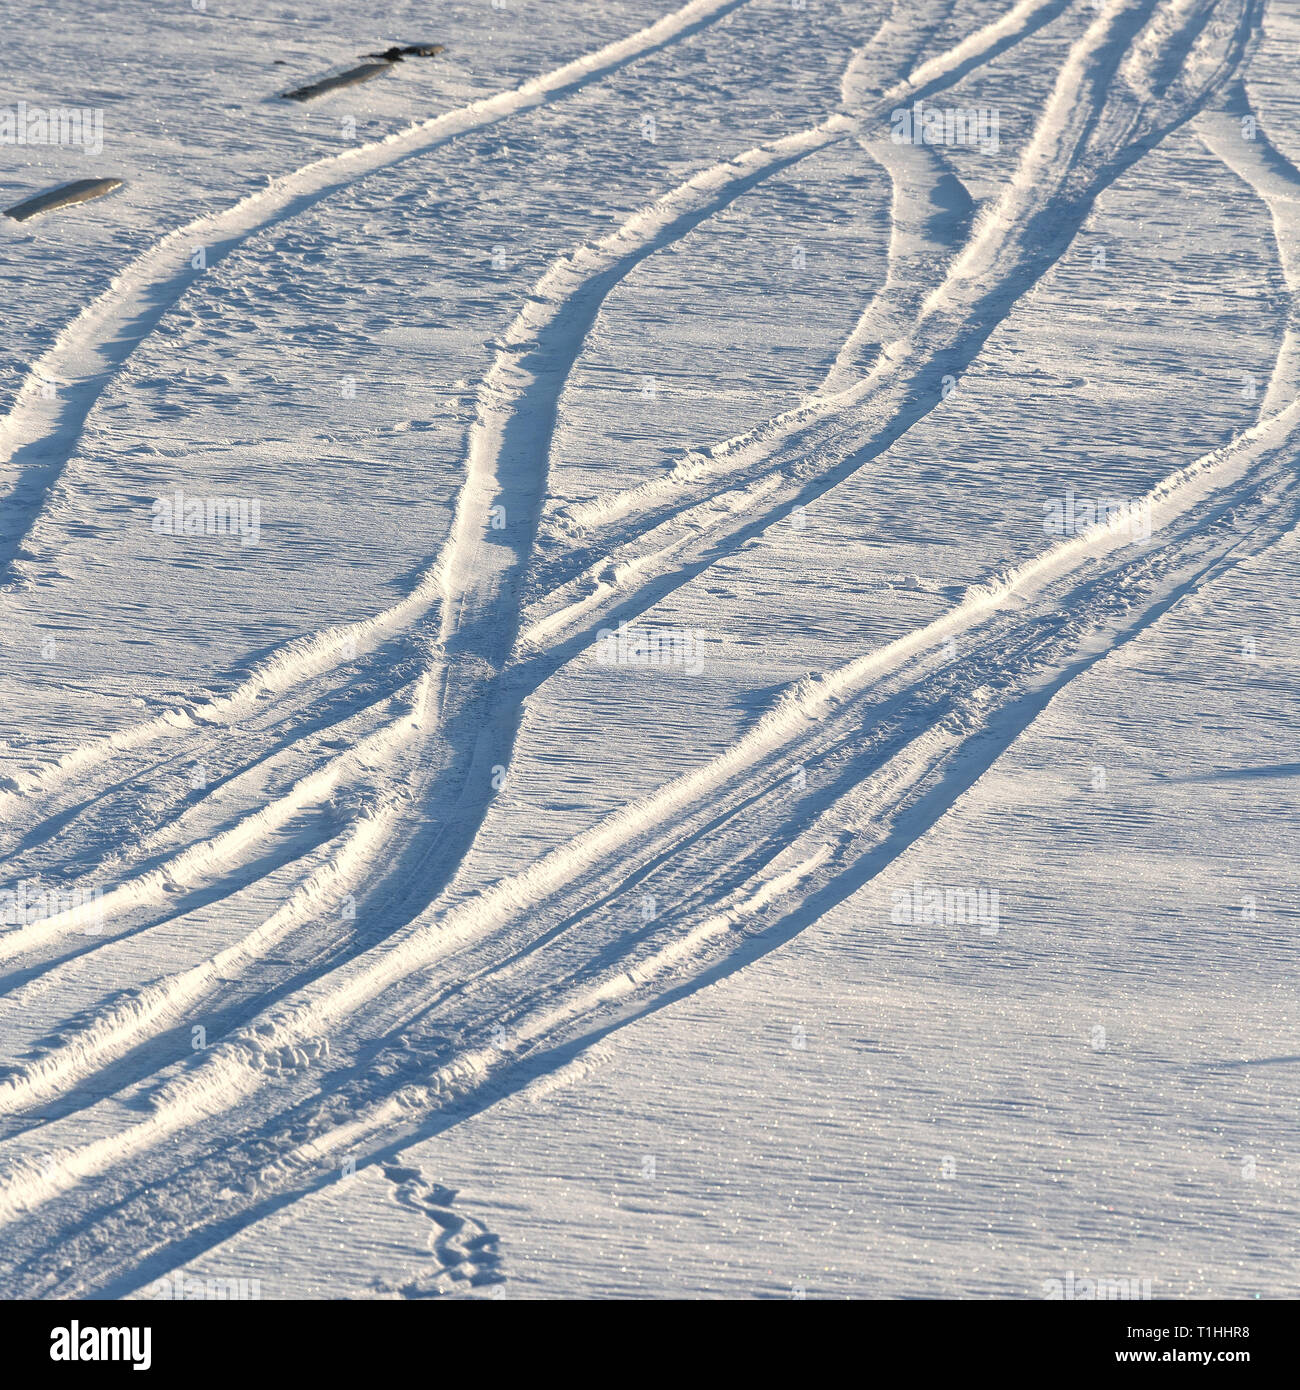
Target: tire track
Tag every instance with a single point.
(874, 783)
(1275, 181)
(559, 310)
(153, 277)
(531, 366)
(476, 581)
(1087, 138)
(37, 434)
(386, 983)
(233, 1071)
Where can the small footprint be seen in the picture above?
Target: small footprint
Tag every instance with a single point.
(466, 1252)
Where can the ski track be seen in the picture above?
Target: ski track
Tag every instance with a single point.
(521, 389)
(666, 825)
(39, 433)
(755, 479)
(90, 349)
(1011, 615)
(552, 324)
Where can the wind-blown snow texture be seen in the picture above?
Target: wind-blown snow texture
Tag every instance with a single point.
(570, 727)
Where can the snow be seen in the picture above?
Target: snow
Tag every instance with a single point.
(637, 797)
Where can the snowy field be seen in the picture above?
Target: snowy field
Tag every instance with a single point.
(653, 656)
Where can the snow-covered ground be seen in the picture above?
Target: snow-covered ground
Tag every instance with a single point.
(647, 782)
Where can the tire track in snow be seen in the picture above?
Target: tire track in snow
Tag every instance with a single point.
(103, 336)
(844, 835)
(930, 208)
(1085, 140)
(519, 397)
(473, 581)
(537, 353)
(135, 1015)
(1276, 183)
(37, 434)
(217, 771)
(230, 1073)
(522, 386)
(105, 325)
(210, 859)
(860, 825)
(1274, 433)
(571, 290)
(586, 279)
(866, 110)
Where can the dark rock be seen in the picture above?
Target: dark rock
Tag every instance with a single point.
(80, 191)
